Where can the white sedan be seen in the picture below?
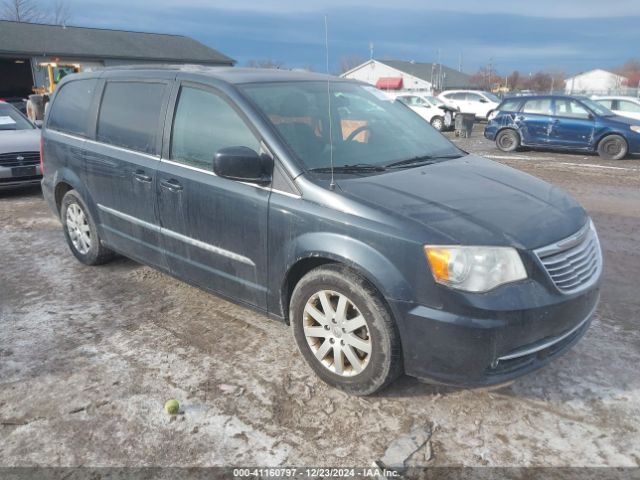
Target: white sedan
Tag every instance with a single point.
(439, 115)
(623, 106)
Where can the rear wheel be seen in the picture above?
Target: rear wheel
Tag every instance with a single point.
(344, 331)
(613, 147)
(80, 231)
(437, 123)
(508, 140)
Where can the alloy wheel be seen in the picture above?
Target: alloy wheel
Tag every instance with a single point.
(78, 228)
(337, 333)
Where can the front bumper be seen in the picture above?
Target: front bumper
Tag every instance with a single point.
(478, 350)
(8, 179)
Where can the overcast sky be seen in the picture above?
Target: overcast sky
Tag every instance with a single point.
(568, 35)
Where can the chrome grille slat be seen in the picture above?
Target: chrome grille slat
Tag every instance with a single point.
(29, 159)
(574, 263)
(569, 267)
(575, 254)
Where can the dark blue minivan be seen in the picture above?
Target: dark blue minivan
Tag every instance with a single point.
(323, 203)
(563, 122)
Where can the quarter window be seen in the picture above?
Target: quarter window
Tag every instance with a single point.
(539, 106)
(130, 115)
(70, 110)
(203, 124)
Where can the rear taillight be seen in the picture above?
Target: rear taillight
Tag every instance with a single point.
(41, 158)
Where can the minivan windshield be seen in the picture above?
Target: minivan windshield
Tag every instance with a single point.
(12, 119)
(370, 131)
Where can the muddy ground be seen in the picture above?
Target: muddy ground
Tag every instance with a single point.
(89, 355)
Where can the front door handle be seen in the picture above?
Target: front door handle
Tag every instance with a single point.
(171, 185)
(140, 176)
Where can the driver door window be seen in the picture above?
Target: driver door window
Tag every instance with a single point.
(203, 124)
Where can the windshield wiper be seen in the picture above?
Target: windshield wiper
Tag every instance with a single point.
(420, 160)
(359, 167)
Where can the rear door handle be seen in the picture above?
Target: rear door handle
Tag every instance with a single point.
(141, 176)
(171, 185)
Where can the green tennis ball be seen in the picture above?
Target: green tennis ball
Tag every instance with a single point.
(172, 407)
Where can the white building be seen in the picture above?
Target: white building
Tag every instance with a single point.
(402, 76)
(595, 81)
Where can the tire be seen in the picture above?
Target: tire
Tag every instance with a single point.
(80, 231)
(508, 140)
(613, 147)
(376, 360)
(438, 123)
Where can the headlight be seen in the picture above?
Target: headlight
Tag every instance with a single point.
(492, 115)
(635, 128)
(474, 269)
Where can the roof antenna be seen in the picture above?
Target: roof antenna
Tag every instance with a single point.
(332, 185)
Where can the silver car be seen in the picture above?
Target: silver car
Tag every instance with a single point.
(19, 148)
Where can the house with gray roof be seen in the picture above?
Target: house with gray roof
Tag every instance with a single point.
(27, 49)
(400, 75)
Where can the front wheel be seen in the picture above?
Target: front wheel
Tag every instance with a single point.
(613, 147)
(437, 123)
(508, 140)
(344, 330)
(80, 231)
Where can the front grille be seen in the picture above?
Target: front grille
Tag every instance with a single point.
(574, 263)
(19, 159)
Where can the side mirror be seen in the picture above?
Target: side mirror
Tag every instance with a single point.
(484, 100)
(242, 164)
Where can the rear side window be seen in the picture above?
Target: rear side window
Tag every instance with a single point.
(510, 105)
(70, 110)
(130, 115)
(203, 124)
(540, 106)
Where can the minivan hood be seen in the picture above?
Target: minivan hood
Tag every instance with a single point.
(472, 200)
(19, 141)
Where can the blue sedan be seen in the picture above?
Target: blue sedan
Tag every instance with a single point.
(563, 122)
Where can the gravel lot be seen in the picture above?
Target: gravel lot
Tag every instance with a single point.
(88, 356)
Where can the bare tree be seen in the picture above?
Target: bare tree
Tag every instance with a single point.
(265, 63)
(22, 11)
(61, 13)
(31, 11)
(350, 62)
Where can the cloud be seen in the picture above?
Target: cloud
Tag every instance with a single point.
(538, 8)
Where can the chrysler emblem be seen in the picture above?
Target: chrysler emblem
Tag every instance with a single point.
(19, 158)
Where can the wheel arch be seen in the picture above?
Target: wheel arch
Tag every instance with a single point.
(353, 254)
(609, 134)
(66, 180)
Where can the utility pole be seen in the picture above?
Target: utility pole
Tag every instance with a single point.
(460, 62)
(370, 50)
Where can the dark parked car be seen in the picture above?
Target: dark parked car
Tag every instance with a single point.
(563, 122)
(19, 149)
(386, 248)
